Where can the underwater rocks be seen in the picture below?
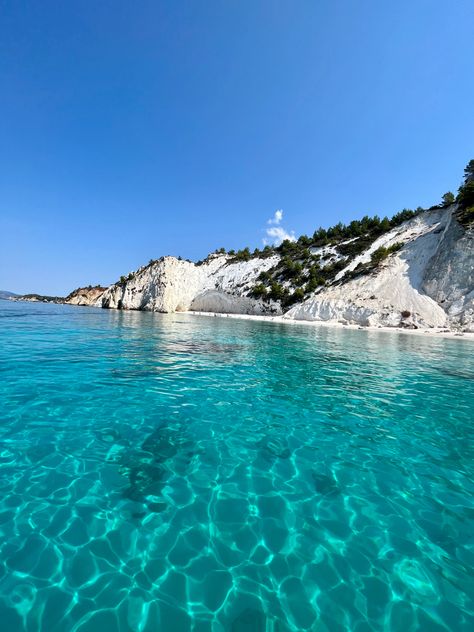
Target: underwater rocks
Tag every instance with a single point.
(274, 447)
(164, 451)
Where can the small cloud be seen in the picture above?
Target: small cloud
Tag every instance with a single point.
(276, 233)
(279, 234)
(276, 219)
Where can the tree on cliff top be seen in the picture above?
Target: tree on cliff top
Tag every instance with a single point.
(465, 197)
(469, 171)
(448, 198)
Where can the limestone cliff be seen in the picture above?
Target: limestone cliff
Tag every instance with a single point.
(427, 280)
(87, 296)
(90, 295)
(393, 293)
(449, 276)
(174, 285)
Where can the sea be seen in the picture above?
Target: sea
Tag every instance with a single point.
(184, 473)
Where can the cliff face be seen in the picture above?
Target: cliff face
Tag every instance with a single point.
(392, 294)
(427, 282)
(449, 276)
(89, 296)
(173, 285)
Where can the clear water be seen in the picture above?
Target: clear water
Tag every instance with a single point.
(179, 473)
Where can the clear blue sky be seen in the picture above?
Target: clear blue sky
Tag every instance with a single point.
(129, 130)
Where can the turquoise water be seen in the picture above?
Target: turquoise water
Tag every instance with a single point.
(179, 473)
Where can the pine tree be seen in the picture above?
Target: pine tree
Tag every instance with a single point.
(469, 171)
(448, 198)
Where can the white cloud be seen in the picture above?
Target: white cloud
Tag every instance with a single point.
(279, 234)
(276, 219)
(276, 233)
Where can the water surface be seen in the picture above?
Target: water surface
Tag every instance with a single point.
(183, 473)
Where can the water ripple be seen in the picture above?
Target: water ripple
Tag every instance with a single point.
(190, 474)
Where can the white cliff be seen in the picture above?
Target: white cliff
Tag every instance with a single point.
(427, 283)
(449, 275)
(174, 285)
(392, 295)
(86, 296)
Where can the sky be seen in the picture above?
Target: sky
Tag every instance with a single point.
(131, 130)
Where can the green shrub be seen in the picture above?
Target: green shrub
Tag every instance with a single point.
(295, 297)
(356, 247)
(258, 291)
(313, 284)
(297, 269)
(268, 251)
(382, 253)
(448, 199)
(298, 294)
(465, 199)
(304, 241)
(242, 255)
(276, 291)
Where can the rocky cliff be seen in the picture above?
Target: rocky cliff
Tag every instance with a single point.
(394, 293)
(174, 285)
(415, 270)
(88, 296)
(418, 274)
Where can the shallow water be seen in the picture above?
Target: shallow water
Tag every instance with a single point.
(175, 473)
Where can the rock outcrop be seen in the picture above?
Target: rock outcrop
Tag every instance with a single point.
(88, 296)
(174, 285)
(391, 295)
(449, 275)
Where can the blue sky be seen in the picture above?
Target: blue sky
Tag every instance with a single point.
(129, 130)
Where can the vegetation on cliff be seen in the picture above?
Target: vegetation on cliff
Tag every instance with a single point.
(302, 269)
(465, 198)
(302, 266)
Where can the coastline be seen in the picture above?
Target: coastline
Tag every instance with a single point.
(433, 333)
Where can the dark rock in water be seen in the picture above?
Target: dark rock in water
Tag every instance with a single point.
(274, 447)
(108, 435)
(163, 451)
(162, 444)
(157, 507)
(165, 445)
(165, 438)
(146, 474)
(325, 485)
(146, 479)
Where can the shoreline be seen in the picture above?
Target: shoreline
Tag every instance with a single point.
(437, 332)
